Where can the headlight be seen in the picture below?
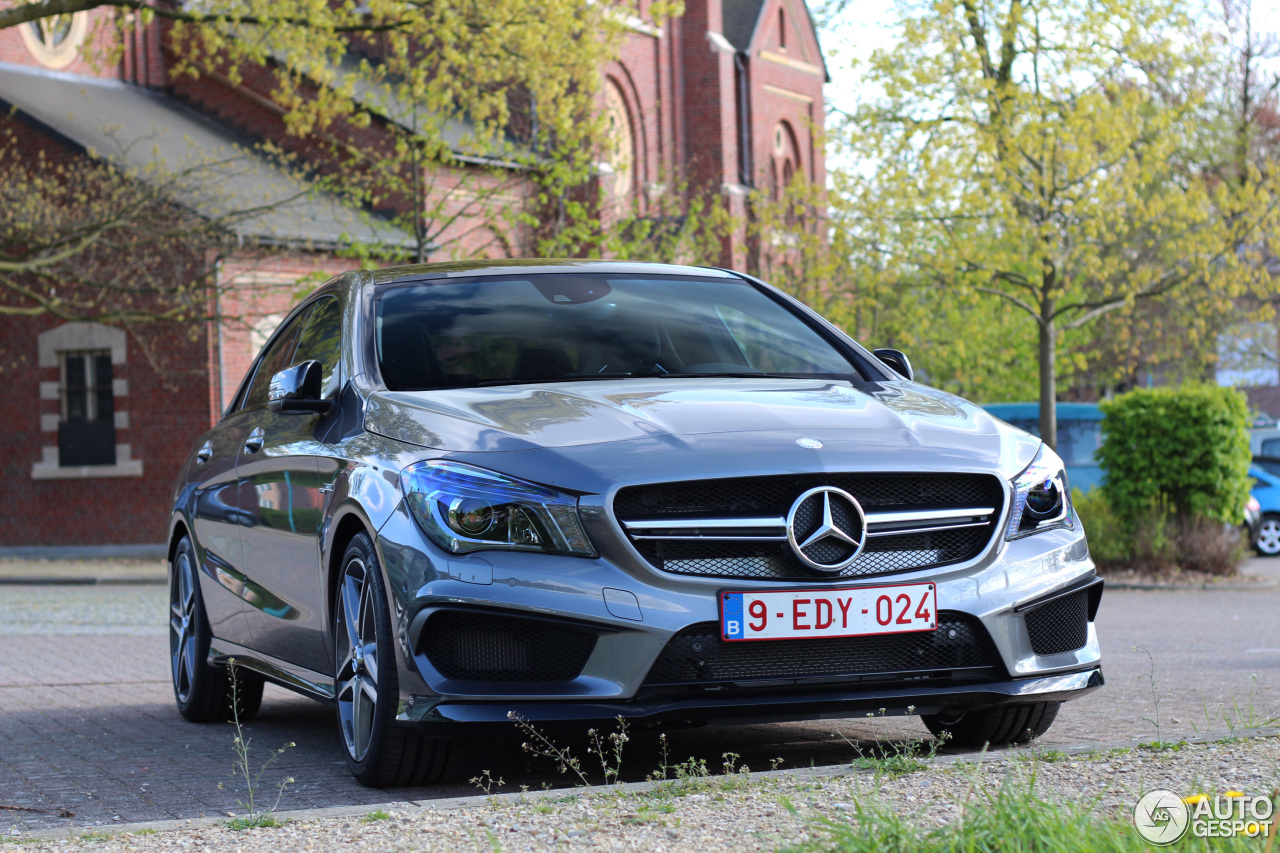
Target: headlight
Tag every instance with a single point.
(1040, 499)
(464, 509)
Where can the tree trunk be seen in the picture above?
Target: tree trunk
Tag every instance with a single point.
(1048, 384)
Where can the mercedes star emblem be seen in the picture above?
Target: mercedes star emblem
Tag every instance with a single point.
(826, 528)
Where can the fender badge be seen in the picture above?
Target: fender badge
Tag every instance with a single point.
(810, 443)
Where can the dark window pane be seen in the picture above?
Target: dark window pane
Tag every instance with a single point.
(102, 371)
(77, 404)
(322, 341)
(276, 357)
(86, 443)
(106, 404)
(76, 378)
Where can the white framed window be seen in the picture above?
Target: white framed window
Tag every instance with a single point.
(88, 394)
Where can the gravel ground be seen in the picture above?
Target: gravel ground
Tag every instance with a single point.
(733, 813)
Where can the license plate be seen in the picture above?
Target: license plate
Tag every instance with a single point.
(796, 614)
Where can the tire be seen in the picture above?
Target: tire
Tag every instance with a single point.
(998, 726)
(203, 691)
(379, 752)
(1268, 542)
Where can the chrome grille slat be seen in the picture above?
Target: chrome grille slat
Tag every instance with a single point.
(709, 528)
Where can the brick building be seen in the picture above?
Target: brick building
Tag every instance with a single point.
(99, 419)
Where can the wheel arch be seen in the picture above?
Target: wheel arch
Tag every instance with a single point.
(347, 527)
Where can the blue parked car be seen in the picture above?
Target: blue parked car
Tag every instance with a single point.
(1079, 434)
(1266, 489)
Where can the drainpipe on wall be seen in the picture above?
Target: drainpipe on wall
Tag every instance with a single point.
(217, 313)
(744, 123)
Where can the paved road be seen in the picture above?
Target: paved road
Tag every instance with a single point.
(88, 727)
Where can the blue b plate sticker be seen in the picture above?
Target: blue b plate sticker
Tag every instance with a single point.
(731, 616)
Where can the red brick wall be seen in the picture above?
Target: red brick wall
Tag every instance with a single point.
(167, 412)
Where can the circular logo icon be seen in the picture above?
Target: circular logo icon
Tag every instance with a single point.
(1161, 817)
(826, 528)
(810, 443)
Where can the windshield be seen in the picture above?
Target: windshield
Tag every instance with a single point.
(573, 327)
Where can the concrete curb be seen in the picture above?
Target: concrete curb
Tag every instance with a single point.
(85, 552)
(1175, 587)
(51, 580)
(480, 800)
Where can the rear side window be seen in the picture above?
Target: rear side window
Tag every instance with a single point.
(277, 355)
(1270, 447)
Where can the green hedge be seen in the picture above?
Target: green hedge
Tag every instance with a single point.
(1185, 449)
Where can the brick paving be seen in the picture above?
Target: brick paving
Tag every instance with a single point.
(89, 727)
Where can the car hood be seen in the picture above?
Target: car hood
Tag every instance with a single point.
(711, 422)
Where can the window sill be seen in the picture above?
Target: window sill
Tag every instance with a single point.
(44, 471)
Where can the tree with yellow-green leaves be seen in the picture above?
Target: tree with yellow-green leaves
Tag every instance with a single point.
(1013, 159)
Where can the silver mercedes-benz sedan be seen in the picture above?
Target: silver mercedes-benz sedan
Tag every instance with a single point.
(450, 495)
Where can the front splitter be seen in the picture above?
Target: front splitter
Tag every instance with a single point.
(742, 708)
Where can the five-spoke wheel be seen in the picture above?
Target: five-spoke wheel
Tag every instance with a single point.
(204, 693)
(380, 753)
(356, 635)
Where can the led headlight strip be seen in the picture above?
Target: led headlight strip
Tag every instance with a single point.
(464, 508)
(1040, 499)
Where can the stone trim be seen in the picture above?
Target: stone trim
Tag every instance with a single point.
(49, 469)
(782, 59)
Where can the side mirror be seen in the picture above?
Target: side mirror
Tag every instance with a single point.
(897, 360)
(297, 389)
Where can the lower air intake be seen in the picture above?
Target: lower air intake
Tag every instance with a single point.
(697, 654)
(1062, 625)
(487, 647)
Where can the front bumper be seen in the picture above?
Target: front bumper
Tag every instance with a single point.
(742, 708)
(995, 590)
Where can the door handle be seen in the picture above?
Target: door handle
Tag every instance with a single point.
(253, 443)
(205, 453)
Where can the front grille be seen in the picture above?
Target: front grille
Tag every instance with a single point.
(697, 655)
(488, 647)
(759, 558)
(1062, 625)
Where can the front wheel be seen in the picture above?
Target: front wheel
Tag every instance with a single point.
(1268, 542)
(379, 753)
(204, 693)
(998, 726)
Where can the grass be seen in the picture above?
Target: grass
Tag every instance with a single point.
(1017, 818)
(374, 816)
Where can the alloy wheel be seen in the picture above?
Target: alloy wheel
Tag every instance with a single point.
(182, 627)
(357, 656)
(1269, 537)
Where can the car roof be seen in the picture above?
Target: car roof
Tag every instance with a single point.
(460, 269)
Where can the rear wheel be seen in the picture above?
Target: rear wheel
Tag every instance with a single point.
(379, 753)
(204, 693)
(1268, 541)
(998, 726)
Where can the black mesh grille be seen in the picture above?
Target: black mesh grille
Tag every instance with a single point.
(697, 655)
(772, 497)
(488, 647)
(1062, 625)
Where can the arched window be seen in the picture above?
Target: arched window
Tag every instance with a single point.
(622, 143)
(55, 40)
